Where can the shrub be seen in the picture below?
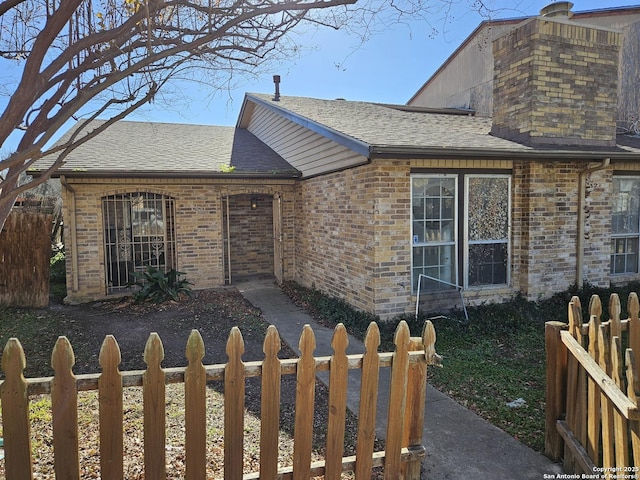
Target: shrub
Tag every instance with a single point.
(58, 275)
(158, 286)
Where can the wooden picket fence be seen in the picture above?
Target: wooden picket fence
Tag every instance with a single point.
(592, 390)
(400, 458)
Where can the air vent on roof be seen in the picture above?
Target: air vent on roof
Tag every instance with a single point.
(276, 81)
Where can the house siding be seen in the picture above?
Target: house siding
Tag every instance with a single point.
(198, 227)
(305, 150)
(466, 81)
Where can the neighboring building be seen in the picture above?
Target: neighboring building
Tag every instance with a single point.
(360, 199)
(466, 78)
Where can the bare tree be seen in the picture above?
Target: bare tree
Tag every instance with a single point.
(106, 58)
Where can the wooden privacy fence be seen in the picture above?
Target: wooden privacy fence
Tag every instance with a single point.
(400, 459)
(25, 254)
(592, 390)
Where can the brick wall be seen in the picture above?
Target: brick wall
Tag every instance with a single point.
(545, 227)
(597, 232)
(546, 199)
(348, 233)
(353, 236)
(556, 83)
(198, 227)
(251, 235)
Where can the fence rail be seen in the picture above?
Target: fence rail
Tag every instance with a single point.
(592, 416)
(403, 449)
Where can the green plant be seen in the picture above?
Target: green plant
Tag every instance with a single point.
(495, 358)
(58, 274)
(158, 286)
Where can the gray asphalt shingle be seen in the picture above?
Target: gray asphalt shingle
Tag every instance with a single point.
(128, 146)
(382, 125)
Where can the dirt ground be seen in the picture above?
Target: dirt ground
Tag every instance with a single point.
(212, 312)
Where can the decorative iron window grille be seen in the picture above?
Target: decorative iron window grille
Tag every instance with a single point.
(139, 231)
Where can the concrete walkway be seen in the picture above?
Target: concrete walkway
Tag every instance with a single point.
(459, 444)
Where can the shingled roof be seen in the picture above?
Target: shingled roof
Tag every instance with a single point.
(375, 129)
(369, 129)
(170, 149)
(378, 124)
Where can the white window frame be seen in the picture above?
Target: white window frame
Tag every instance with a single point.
(463, 238)
(626, 236)
(414, 244)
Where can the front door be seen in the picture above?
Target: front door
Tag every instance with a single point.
(278, 251)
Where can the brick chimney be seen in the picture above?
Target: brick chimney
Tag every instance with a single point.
(555, 83)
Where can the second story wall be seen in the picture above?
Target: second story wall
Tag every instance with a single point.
(465, 80)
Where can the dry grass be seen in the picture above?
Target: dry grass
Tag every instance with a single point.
(42, 436)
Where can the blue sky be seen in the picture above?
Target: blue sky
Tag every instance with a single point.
(389, 68)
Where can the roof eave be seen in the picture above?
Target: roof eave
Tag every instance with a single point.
(168, 174)
(404, 152)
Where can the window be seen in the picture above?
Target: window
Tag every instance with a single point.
(138, 232)
(625, 225)
(487, 206)
(434, 231)
(460, 232)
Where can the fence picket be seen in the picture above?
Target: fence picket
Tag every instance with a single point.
(64, 407)
(593, 390)
(234, 380)
(397, 402)
(110, 411)
(338, 379)
(368, 403)
(633, 391)
(153, 386)
(620, 423)
(608, 459)
(305, 391)
(573, 374)
(195, 384)
(110, 383)
(270, 404)
(15, 412)
(416, 397)
(614, 315)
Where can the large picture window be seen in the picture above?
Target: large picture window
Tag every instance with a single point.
(625, 225)
(460, 230)
(138, 232)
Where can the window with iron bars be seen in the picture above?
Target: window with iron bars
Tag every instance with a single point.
(139, 231)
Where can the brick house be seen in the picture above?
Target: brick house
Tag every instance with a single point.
(364, 201)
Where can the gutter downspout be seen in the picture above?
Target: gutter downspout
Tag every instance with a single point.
(581, 216)
(74, 237)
